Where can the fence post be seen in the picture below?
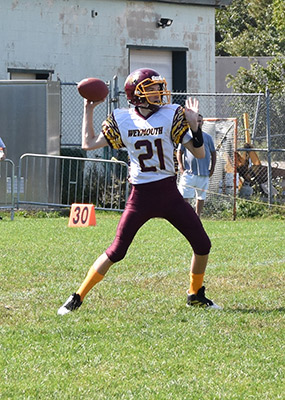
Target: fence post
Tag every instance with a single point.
(115, 92)
(109, 98)
(256, 117)
(235, 173)
(268, 137)
(12, 192)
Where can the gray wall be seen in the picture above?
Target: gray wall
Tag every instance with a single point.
(230, 65)
(92, 38)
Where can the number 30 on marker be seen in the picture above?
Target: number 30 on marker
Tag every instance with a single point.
(82, 215)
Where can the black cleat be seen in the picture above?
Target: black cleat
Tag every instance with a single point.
(71, 304)
(199, 300)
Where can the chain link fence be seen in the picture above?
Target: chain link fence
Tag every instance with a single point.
(252, 161)
(71, 121)
(256, 154)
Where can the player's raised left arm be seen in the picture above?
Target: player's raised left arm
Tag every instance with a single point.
(198, 152)
(196, 144)
(90, 140)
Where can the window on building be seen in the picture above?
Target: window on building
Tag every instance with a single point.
(28, 74)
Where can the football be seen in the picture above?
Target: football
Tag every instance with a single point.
(93, 89)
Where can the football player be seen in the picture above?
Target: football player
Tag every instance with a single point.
(148, 130)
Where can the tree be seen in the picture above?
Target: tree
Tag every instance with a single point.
(251, 28)
(254, 28)
(258, 78)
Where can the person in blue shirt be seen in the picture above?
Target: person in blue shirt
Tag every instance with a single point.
(3, 150)
(196, 173)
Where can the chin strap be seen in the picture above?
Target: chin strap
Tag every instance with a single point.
(151, 107)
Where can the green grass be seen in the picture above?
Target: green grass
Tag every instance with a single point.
(133, 338)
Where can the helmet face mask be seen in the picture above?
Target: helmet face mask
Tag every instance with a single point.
(143, 91)
(138, 89)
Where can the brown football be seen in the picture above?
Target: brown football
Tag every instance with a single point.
(93, 89)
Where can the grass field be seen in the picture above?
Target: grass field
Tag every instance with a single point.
(133, 338)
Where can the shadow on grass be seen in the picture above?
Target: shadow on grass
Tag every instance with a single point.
(254, 310)
(233, 311)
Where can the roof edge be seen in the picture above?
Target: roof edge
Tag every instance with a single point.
(213, 3)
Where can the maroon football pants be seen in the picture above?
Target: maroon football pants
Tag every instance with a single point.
(160, 199)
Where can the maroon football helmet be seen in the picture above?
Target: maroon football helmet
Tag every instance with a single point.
(138, 81)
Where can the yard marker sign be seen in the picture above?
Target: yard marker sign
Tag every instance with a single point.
(82, 215)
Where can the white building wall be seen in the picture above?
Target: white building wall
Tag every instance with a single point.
(62, 35)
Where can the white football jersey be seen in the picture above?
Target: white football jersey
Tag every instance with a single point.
(149, 141)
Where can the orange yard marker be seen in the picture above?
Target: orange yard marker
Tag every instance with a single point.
(82, 215)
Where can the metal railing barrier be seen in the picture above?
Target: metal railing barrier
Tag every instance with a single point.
(59, 181)
(7, 186)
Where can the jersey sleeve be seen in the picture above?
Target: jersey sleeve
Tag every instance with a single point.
(111, 132)
(179, 126)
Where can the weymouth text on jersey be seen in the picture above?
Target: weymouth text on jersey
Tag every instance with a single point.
(145, 132)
